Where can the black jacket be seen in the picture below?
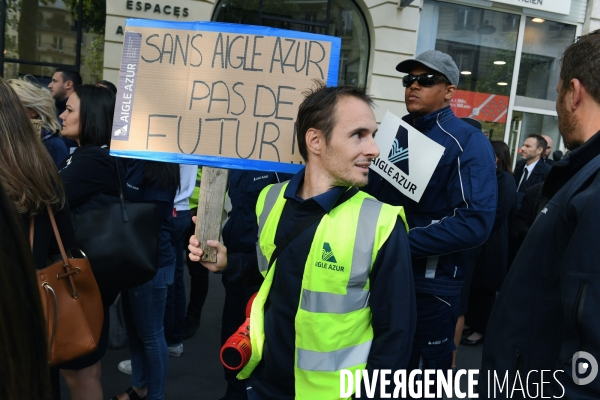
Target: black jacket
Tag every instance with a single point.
(538, 175)
(532, 204)
(548, 307)
(45, 245)
(89, 174)
(491, 265)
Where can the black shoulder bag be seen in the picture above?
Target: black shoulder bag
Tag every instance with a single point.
(121, 242)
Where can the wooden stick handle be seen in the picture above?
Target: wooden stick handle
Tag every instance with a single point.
(210, 209)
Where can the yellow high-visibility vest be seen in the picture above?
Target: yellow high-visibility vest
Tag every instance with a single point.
(333, 320)
(195, 197)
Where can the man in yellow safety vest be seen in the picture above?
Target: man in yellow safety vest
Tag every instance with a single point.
(338, 291)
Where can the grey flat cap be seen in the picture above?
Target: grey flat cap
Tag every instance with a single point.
(437, 61)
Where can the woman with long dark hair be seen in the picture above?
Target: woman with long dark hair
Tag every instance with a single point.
(24, 362)
(31, 181)
(144, 305)
(491, 265)
(90, 179)
(90, 171)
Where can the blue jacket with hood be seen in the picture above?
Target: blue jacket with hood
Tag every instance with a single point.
(457, 209)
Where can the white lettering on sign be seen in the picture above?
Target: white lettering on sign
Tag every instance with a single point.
(461, 103)
(553, 6)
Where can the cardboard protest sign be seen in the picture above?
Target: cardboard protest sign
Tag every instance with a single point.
(407, 157)
(216, 94)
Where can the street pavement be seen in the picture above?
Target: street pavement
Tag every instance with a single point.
(198, 373)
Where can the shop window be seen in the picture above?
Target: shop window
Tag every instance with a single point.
(539, 72)
(523, 124)
(340, 18)
(511, 22)
(483, 44)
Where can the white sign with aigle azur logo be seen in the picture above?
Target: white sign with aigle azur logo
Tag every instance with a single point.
(407, 157)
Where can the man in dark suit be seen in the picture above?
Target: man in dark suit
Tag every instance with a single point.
(531, 169)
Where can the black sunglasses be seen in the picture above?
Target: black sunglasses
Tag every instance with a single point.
(425, 80)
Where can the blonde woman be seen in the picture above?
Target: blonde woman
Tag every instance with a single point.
(39, 105)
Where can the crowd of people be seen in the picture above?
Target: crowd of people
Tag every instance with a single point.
(349, 273)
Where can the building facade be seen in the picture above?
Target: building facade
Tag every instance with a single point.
(508, 51)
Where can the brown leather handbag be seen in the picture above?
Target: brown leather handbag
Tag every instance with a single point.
(71, 302)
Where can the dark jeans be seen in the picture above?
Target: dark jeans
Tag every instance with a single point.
(144, 311)
(199, 281)
(175, 310)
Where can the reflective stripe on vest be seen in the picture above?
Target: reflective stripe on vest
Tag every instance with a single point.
(334, 360)
(270, 199)
(356, 297)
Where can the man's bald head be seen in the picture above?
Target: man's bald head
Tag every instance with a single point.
(549, 148)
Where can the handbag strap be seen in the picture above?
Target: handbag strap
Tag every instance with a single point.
(49, 291)
(308, 222)
(57, 235)
(69, 272)
(121, 196)
(31, 229)
(54, 228)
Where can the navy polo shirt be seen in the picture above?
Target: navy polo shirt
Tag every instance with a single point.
(325, 200)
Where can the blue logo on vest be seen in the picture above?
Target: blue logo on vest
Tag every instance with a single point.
(329, 261)
(399, 152)
(327, 253)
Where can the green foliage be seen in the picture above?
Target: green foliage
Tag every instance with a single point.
(94, 14)
(93, 57)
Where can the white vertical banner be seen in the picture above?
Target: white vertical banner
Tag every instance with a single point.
(407, 158)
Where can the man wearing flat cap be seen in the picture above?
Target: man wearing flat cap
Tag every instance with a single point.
(456, 211)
